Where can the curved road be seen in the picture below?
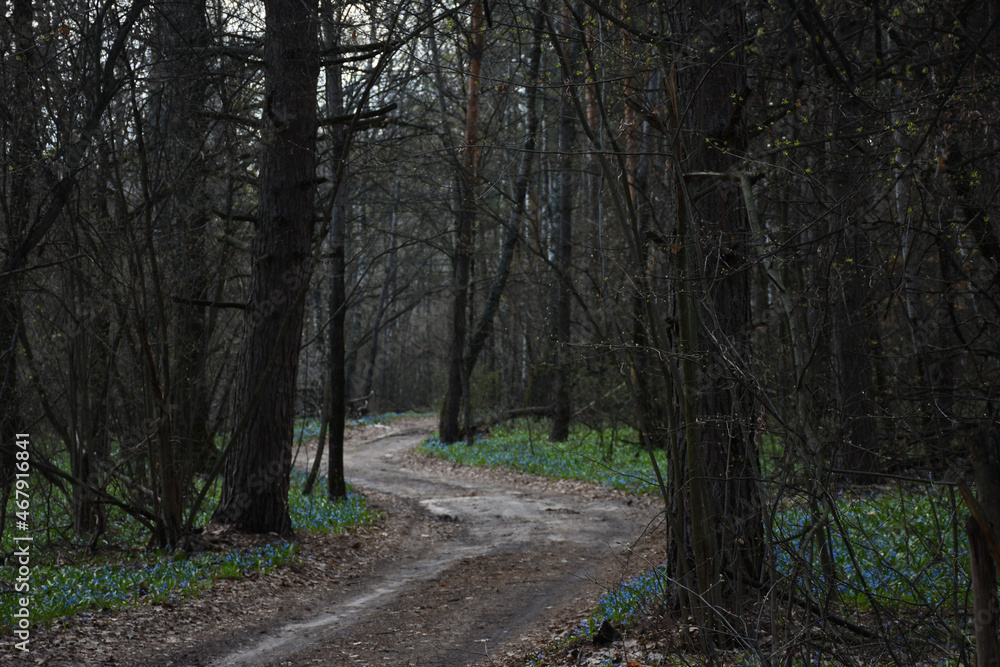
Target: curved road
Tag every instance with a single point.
(483, 560)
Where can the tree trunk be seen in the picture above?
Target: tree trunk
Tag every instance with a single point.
(513, 232)
(22, 158)
(179, 137)
(563, 250)
(462, 257)
(984, 596)
(383, 297)
(310, 483)
(337, 382)
(721, 461)
(10, 403)
(255, 485)
(177, 350)
(337, 485)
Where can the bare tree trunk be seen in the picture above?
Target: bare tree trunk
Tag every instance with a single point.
(175, 199)
(462, 257)
(563, 249)
(722, 469)
(22, 156)
(697, 538)
(337, 485)
(307, 487)
(513, 232)
(984, 596)
(337, 382)
(87, 391)
(179, 135)
(10, 403)
(383, 297)
(255, 485)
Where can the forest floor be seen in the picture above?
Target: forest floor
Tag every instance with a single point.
(468, 567)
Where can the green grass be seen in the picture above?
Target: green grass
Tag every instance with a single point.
(587, 455)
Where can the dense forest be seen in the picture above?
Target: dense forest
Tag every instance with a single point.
(763, 235)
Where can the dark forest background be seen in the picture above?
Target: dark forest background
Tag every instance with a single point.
(734, 226)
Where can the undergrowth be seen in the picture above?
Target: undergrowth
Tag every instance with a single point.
(67, 580)
(117, 581)
(897, 549)
(587, 455)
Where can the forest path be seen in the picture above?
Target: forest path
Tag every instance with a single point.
(468, 567)
(484, 559)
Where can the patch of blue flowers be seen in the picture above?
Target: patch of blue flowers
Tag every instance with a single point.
(629, 600)
(907, 548)
(901, 551)
(902, 546)
(316, 513)
(582, 458)
(307, 428)
(158, 577)
(60, 591)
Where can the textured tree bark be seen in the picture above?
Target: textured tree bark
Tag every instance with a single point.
(255, 485)
(722, 469)
(179, 136)
(697, 537)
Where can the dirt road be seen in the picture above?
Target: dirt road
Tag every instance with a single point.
(509, 556)
(470, 567)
